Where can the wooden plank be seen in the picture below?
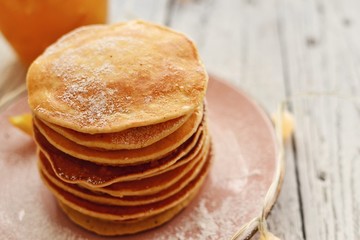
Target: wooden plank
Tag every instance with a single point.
(151, 10)
(243, 48)
(285, 220)
(322, 51)
(204, 22)
(12, 72)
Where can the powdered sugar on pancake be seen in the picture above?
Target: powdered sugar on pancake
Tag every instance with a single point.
(84, 91)
(112, 78)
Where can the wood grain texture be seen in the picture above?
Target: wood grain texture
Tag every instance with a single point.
(151, 10)
(12, 73)
(245, 49)
(275, 49)
(320, 41)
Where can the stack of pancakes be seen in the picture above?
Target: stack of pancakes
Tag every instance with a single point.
(119, 123)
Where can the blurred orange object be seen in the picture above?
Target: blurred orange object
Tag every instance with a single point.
(32, 25)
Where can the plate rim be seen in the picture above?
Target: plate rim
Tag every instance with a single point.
(259, 108)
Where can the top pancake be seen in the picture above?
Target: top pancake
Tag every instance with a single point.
(108, 78)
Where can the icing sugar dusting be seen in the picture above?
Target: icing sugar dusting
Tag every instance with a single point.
(85, 92)
(147, 99)
(207, 220)
(213, 219)
(21, 215)
(208, 224)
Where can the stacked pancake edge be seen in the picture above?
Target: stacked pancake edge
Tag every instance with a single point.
(120, 125)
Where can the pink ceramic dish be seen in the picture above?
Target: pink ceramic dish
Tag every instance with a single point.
(243, 168)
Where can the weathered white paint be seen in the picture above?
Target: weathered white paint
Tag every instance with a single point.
(239, 41)
(273, 49)
(321, 43)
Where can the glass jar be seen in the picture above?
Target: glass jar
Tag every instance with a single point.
(32, 25)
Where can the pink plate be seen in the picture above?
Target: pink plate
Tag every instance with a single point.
(244, 166)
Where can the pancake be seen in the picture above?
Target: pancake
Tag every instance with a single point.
(109, 78)
(144, 186)
(113, 228)
(130, 188)
(121, 213)
(120, 126)
(132, 138)
(73, 170)
(180, 183)
(122, 157)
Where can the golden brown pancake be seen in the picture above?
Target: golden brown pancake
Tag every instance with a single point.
(180, 183)
(112, 228)
(132, 188)
(73, 170)
(138, 74)
(178, 175)
(122, 157)
(119, 124)
(122, 213)
(131, 138)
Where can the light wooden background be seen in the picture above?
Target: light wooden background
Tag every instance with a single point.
(275, 49)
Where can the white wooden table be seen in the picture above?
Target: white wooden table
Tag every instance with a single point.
(276, 49)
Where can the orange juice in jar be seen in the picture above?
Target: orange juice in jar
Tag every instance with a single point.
(32, 25)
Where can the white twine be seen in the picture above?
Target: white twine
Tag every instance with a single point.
(259, 222)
